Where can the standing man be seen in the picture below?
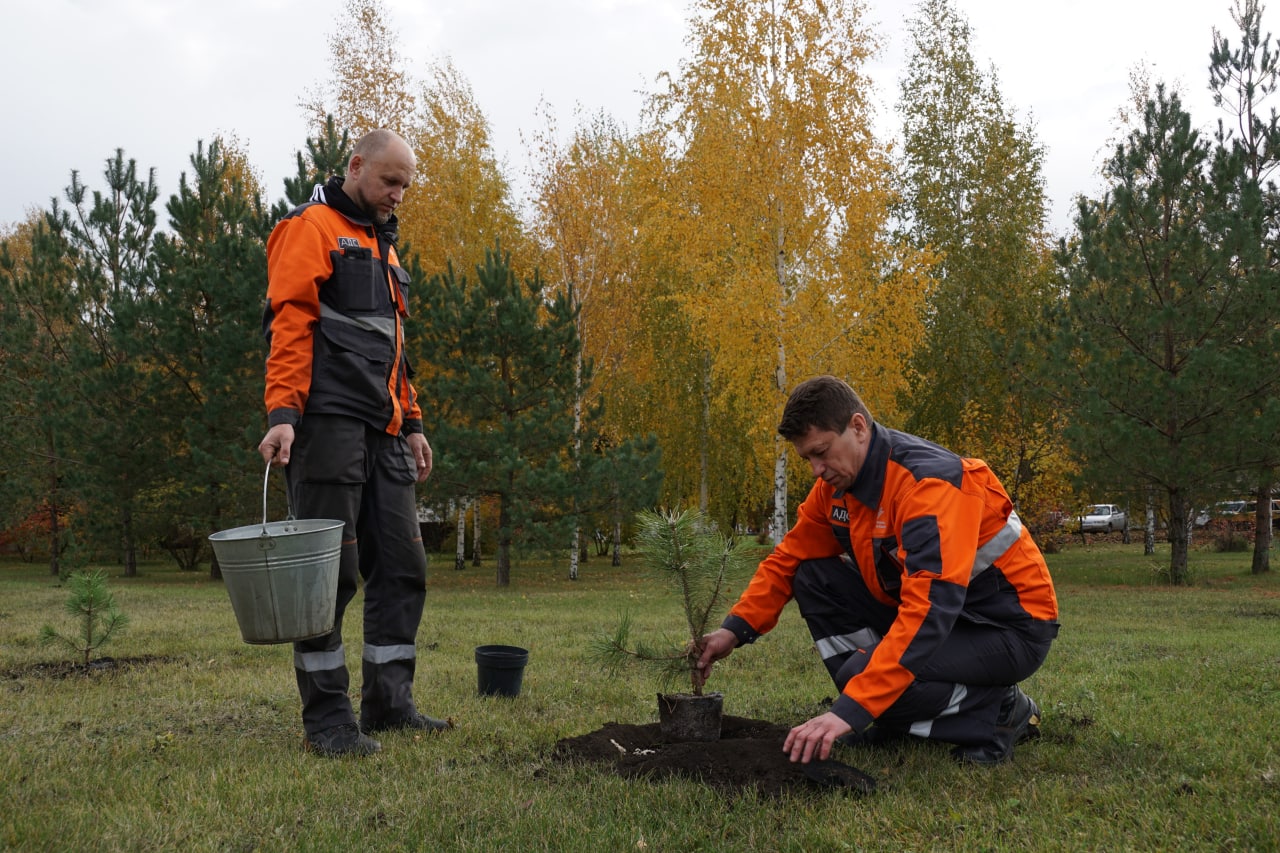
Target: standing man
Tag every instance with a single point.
(925, 596)
(344, 418)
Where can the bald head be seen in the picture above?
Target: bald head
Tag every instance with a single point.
(381, 168)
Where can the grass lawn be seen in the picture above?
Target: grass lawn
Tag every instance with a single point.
(1161, 712)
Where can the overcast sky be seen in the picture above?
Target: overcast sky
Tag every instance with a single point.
(84, 77)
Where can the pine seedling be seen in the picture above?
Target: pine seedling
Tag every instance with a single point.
(93, 606)
(685, 550)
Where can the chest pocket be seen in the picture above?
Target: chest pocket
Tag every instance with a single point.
(889, 567)
(402, 288)
(358, 285)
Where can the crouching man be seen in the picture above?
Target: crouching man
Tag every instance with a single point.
(926, 598)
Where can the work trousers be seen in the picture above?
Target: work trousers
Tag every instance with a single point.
(956, 696)
(341, 468)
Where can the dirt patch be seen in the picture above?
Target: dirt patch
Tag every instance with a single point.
(748, 756)
(70, 669)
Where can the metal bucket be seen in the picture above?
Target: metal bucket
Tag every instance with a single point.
(282, 577)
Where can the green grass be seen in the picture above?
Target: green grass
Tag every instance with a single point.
(1161, 708)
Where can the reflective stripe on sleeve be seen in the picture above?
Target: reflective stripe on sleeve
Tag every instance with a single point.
(997, 545)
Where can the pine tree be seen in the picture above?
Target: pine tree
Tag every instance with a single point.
(498, 398)
(110, 233)
(39, 387)
(1163, 346)
(206, 319)
(97, 618)
(1243, 78)
(327, 155)
(685, 551)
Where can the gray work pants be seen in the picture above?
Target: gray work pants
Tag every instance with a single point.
(344, 469)
(956, 697)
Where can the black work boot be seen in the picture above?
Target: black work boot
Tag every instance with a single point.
(413, 721)
(1019, 720)
(346, 739)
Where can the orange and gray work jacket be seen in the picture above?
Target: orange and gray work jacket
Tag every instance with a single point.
(336, 302)
(933, 535)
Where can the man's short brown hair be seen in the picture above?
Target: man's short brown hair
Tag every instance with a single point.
(825, 402)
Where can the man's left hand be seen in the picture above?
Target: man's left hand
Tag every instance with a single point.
(421, 454)
(815, 738)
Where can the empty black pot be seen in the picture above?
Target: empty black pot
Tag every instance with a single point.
(500, 669)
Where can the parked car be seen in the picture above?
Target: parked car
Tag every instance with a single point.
(1234, 513)
(1103, 518)
(1241, 515)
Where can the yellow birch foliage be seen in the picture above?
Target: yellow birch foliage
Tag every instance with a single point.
(461, 201)
(1027, 450)
(780, 222)
(239, 169)
(584, 229)
(369, 88)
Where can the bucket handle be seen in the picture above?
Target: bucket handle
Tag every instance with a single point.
(266, 480)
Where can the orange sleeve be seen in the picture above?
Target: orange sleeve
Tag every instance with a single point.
(297, 262)
(810, 538)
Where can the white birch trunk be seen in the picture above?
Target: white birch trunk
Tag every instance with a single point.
(576, 539)
(781, 445)
(704, 461)
(460, 552)
(475, 531)
(778, 527)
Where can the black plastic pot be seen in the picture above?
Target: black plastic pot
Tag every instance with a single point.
(685, 717)
(500, 670)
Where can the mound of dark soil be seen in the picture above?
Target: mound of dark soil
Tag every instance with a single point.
(748, 756)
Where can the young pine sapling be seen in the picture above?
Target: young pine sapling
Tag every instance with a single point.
(94, 608)
(684, 549)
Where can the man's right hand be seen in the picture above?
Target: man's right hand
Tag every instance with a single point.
(717, 645)
(276, 444)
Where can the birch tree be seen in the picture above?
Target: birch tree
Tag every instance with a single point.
(370, 86)
(973, 196)
(780, 217)
(582, 223)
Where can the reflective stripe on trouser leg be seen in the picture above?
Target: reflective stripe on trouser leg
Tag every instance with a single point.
(842, 615)
(324, 479)
(387, 654)
(322, 684)
(843, 644)
(386, 691)
(394, 566)
(968, 718)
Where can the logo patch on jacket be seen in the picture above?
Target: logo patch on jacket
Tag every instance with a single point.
(840, 514)
(348, 243)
